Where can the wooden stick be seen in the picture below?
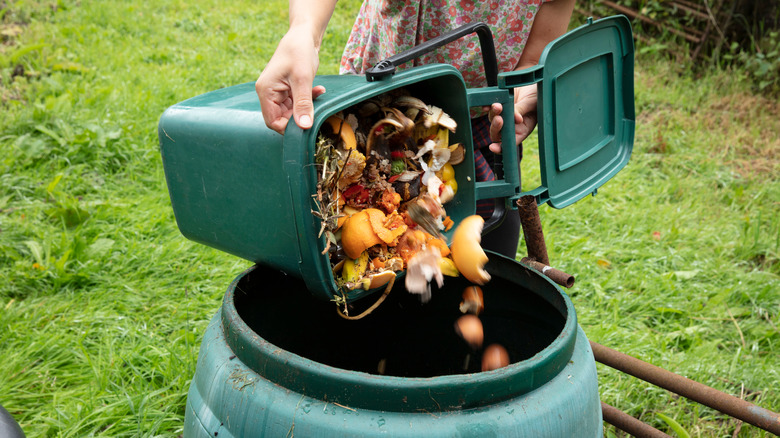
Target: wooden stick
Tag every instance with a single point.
(635, 14)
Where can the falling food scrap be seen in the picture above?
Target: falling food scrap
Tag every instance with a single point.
(468, 255)
(494, 357)
(469, 327)
(472, 300)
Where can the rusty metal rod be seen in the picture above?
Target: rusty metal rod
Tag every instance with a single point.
(629, 424)
(532, 228)
(556, 275)
(698, 392)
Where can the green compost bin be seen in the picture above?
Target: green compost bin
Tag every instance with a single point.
(274, 363)
(242, 188)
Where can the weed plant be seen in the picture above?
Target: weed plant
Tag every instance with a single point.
(103, 303)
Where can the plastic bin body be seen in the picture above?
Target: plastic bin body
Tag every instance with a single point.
(240, 187)
(245, 385)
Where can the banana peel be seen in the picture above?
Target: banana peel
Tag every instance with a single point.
(448, 267)
(353, 269)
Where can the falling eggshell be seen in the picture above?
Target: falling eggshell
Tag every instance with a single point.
(472, 300)
(469, 327)
(494, 357)
(468, 255)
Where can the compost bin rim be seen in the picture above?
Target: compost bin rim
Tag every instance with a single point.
(361, 389)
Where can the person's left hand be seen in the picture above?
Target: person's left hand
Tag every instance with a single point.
(525, 117)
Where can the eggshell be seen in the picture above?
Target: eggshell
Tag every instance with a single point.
(472, 300)
(494, 357)
(469, 327)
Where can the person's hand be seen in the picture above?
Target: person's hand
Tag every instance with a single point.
(525, 117)
(285, 85)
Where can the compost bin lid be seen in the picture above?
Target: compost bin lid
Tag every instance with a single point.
(585, 106)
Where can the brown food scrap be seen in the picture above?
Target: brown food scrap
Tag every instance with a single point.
(469, 327)
(389, 201)
(472, 300)
(352, 170)
(494, 357)
(448, 223)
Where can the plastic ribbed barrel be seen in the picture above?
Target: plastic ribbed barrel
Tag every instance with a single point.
(273, 362)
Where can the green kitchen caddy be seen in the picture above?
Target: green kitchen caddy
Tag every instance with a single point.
(240, 187)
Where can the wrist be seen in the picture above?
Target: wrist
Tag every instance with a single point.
(302, 29)
(311, 17)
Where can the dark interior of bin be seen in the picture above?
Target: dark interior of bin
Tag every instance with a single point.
(409, 338)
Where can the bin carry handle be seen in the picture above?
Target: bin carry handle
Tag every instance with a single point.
(387, 67)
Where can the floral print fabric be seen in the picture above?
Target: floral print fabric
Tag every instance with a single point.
(386, 27)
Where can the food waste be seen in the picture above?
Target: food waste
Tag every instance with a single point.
(387, 170)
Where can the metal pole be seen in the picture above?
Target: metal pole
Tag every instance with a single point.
(532, 229)
(698, 392)
(629, 424)
(556, 275)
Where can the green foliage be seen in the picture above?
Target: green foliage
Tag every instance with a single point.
(103, 303)
(674, 425)
(700, 35)
(763, 63)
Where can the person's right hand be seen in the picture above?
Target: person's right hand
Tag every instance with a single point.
(285, 85)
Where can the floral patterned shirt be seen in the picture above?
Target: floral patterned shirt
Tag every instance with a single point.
(386, 27)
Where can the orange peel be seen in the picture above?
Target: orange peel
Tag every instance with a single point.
(357, 234)
(438, 243)
(343, 130)
(377, 263)
(448, 223)
(379, 279)
(386, 228)
(348, 211)
(367, 228)
(468, 255)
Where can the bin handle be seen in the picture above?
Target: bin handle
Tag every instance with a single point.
(387, 67)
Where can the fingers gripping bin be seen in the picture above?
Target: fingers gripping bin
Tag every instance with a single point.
(240, 187)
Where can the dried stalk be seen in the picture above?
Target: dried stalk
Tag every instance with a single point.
(370, 309)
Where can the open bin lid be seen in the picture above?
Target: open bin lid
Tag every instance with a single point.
(586, 109)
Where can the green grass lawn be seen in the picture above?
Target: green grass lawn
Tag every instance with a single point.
(103, 303)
